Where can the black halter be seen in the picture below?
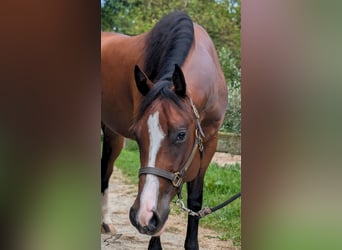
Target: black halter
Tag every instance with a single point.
(177, 178)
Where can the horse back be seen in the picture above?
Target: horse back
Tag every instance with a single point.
(119, 55)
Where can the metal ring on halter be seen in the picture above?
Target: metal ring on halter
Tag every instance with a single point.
(177, 180)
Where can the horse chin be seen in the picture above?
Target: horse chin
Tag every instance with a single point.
(163, 219)
(161, 231)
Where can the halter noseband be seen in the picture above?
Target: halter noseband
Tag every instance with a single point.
(177, 178)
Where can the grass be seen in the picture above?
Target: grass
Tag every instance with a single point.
(219, 184)
(129, 163)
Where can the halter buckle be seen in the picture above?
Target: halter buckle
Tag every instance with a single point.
(177, 180)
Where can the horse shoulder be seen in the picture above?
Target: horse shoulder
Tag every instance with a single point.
(209, 87)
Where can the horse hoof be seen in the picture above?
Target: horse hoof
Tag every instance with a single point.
(108, 229)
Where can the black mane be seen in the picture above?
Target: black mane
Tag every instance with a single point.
(168, 44)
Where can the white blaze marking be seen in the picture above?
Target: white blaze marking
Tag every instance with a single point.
(105, 208)
(149, 195)
(156, 136)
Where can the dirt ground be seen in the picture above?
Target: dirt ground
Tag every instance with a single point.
(121, 197)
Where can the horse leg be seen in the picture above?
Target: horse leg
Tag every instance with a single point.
(111, 148)
(195, 196)
(154, 243)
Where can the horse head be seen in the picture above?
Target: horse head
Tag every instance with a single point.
(168, 134)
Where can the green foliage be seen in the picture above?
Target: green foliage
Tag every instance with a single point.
(221, 19)
(115, 15)
(220, 183)
(230, 66)
(232, 121)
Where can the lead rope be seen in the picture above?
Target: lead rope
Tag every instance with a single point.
(207, 210)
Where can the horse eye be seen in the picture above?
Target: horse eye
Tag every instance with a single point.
(180, 137)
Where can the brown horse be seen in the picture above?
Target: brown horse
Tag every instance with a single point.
(166, 90)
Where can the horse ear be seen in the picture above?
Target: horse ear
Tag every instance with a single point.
(179, 81)
(143, 83)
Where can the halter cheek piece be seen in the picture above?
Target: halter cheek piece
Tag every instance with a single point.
(177, 178)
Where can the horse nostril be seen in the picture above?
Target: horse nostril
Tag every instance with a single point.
(154, 222)
(132, 217)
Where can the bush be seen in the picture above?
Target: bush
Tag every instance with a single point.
(232, 119)
(232, 72)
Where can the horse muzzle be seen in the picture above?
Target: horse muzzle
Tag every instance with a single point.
(153, 226)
